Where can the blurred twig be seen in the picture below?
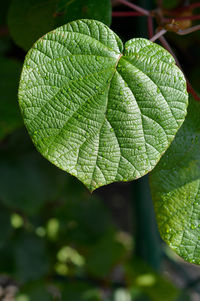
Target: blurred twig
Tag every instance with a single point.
(4, 31)
(139, 9)
(158, 35)
(150, 26)
(166, 45)
(126, 14)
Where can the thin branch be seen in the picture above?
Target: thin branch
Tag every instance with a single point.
(115, 3)
(166, 45)
(184, 8)
(188, 30)
(126, 14)
(193, 6)
(135, 7)
(158, 35)
(192, 18)
(192, 92)
(3, 31)
(150, 26)
(160, 3)
(189, 86)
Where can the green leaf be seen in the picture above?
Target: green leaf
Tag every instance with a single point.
(83, 220)
(3, 12)
(175, 186)
(33, 180)
(35, 291)
(171, 4)
(80, 291)
(96, 111)
(142, 277)
(30, 258)
(105, 255)
(6, 228)
(30, 19)
(83, 9)
(10, 114)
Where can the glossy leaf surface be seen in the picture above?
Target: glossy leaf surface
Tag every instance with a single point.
(96, 110)
(175, 186)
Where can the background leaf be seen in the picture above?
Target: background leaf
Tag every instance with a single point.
(83, 219)
(9, 111)
(67, 11)
(175, 186)
(80, 291)
(100, 115)
(144, 279)
(104, 255)
(35, 291)
(171, 4)
(27, 180)
(5, 225)
(30, 19)
(30, 258)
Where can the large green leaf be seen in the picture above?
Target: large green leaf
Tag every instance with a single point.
(30, 19)
(99, 112)
(10, 118)
(175, 185)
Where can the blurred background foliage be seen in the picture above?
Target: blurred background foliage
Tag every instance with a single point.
(57, 241)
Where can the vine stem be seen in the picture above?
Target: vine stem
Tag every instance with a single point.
(135, 7)
(166, 45)
(150, 26)
(189, 86)
(126, 14)
(158, 35)
(147, 240)
(160, 3)
(192, 92)
(192, 18)
(188, 30)
(188, 7)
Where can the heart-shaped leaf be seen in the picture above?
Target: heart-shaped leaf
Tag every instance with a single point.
(175, 186)
(96, 111)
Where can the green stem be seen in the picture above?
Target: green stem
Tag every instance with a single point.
(148, 245)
